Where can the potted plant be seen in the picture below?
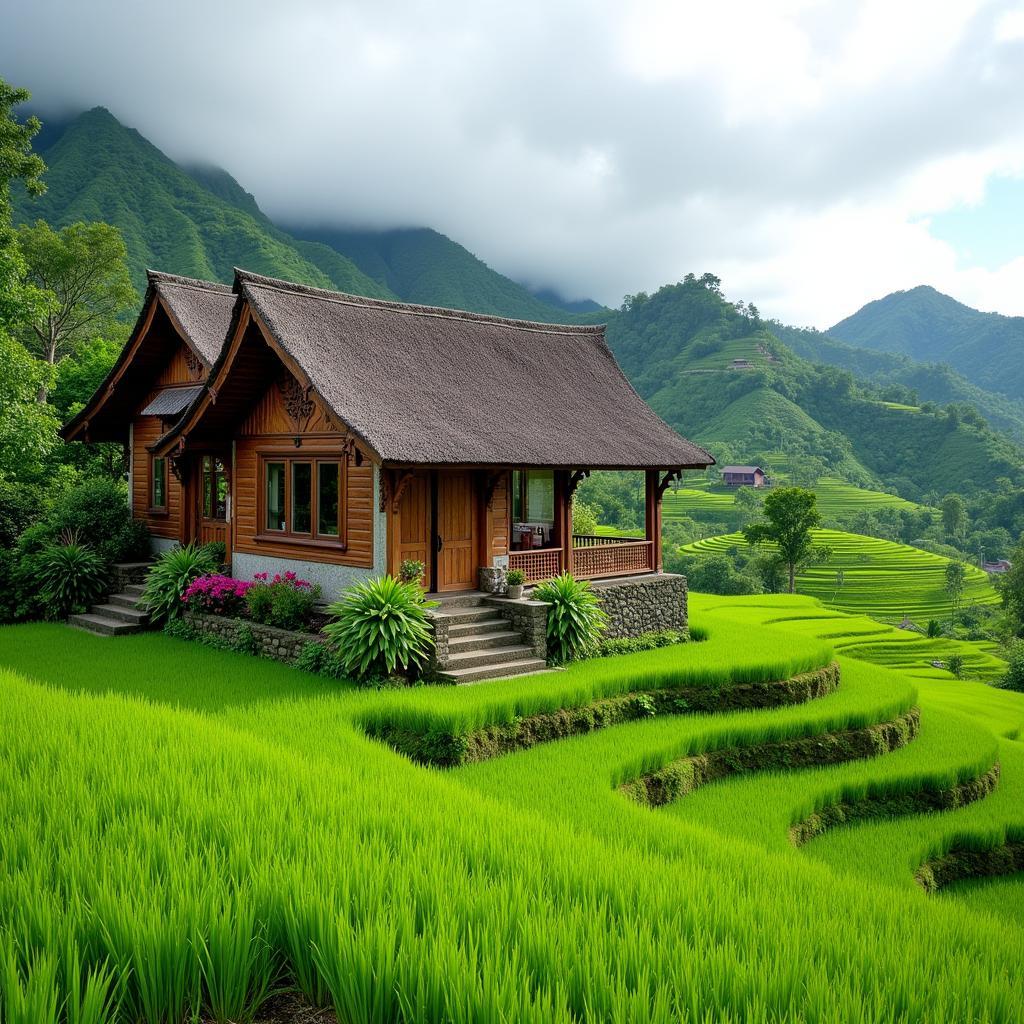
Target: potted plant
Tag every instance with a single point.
(514, 580)
(411, 571)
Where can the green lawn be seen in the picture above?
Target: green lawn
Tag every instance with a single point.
(200, 825)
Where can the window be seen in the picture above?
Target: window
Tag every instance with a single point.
(214, 488)
(302, 498)
(158, 499)
(533, 496)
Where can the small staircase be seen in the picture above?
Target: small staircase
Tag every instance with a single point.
(119, 615)
(481, 643)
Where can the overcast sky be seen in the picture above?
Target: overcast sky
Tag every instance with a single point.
(813, 155)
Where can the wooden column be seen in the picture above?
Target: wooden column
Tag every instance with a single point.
(563, 517)
(652, 519)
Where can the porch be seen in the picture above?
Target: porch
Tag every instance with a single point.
(587, 556)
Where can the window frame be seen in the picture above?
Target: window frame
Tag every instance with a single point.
(311, 537)
(153, 507)
(214, 474)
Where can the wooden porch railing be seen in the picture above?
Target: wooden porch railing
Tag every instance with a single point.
(623, 556)
(538, 564)
(593, 540)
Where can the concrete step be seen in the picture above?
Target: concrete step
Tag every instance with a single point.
(134, 588)
(459, 615)
(502, 670)
(468, 599)
(477, 628)
(483, 641)
(126, 600)
(489, 656)
(122, 614)
(102, 625)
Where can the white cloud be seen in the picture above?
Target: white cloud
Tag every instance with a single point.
(794, 148)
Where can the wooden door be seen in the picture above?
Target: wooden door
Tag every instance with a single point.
(456, 531)
(213, 498)
(413, 530)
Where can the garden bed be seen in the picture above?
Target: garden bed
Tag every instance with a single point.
(249, 637)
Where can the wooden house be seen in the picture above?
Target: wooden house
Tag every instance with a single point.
(743, 476)
(337, 435)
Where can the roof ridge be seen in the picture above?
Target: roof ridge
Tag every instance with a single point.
(158, 276)
(412, 308)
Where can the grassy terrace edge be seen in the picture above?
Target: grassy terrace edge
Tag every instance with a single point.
(454, 725)
(450, 750)
(685, 774)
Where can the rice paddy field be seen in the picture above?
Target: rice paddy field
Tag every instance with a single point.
(880, 578)
(835, 498)
(185, 833)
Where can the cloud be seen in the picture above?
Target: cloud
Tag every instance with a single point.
(794, 148)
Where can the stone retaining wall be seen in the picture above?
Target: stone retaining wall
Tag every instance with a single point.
(643, 605)
(266, 641)
(527, 617)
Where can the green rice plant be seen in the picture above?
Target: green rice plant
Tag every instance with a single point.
(169, 578)
(575, 618)
(92, 994)
(72, 578)
(381, 626)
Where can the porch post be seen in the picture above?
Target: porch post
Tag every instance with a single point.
(652, 519)
(563, 517)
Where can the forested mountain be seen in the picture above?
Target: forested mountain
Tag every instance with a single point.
(903, 376)
(422, 265)
(199, 224)
(987, 348)
(719, 374)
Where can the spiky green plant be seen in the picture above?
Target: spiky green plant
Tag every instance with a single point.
(72, 578)
(169, 578)
(575, 619)
(381, 626)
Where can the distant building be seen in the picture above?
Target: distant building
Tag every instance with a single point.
(743, 476)
(741, 364)
(1000, 565)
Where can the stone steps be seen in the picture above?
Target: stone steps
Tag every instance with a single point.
(121, 613)
(501, 670)
(482, 641)
(102, 625)
(478, 627)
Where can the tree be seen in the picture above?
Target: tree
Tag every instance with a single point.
(81, 273)
(791, 514)
(748, 504)
(956, 580)
(1011, 587)
(954, 517)
(585, 517)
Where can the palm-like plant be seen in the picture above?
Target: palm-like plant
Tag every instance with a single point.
(169, 579)
(380, 626)
(72, 578)
(575, 619)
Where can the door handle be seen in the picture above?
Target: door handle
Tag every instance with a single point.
(438, 544)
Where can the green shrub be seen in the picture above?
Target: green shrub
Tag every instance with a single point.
(72, 578)
(955, 664)
(97, 510)
(644, 642)
(515, 577)
(575, 619)
(1014, 678)
(169, 579)
(321, 659)
(217, 550)
(283, 601)
(381, 626)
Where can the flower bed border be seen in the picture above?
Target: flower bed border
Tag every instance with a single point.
(246, 636)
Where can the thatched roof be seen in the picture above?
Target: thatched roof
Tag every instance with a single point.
(421, 384)
(175, 309)
(201, 310)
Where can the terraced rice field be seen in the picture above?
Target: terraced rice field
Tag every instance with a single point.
(835, 498)
(183, 831)
(884, 580)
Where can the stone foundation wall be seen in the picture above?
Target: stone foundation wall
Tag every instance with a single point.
(527, 617)
(267, 641)
(643, 605)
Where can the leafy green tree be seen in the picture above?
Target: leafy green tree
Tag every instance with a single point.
(791, 513)
(954, 517)
(585, 517)
(748, 503)
(955, 582)
(28, 429)
(81, 273)
(1011, 587)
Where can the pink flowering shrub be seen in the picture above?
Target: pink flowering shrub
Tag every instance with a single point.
(216, 594)
(284, 600)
